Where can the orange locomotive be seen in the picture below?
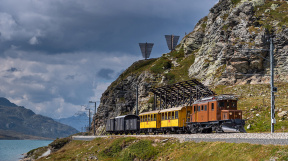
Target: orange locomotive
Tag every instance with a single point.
(216, 113)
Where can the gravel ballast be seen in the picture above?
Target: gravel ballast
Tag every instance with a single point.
(252, 138)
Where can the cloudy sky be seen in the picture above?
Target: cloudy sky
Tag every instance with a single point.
(56, 55)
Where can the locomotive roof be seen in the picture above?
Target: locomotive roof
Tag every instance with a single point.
(217, 98)
(149, 112)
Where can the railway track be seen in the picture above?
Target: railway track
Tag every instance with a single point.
(252, 138)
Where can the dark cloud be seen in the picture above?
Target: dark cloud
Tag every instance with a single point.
(57, 45)
(69, 77)
(105, 73)
(62, 26)
(12, 69)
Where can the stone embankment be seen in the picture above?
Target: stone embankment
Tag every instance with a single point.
(252, 138)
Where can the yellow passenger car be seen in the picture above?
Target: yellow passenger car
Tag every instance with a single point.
(150, 121)
(173, 119)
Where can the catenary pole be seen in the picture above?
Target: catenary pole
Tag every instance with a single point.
(272, 86)
(137, 99)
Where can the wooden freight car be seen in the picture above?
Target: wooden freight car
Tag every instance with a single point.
(123, 124)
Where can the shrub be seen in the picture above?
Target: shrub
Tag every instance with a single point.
(161, 65)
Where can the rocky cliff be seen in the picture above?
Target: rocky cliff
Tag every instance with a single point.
(215, 52)
(18, 122)
(219, 41)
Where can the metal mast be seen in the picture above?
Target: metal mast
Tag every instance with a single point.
(273, 89)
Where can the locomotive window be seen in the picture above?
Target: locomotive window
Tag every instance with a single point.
(176, 114)
(205, 107)
(220, 104)
(212, 107)
(234, 104)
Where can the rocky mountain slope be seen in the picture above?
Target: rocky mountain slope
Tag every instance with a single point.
(214, 53)
(17, 122)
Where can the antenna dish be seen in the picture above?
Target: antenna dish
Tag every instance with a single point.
(146, 49)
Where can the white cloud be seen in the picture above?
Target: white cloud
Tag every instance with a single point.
(33, 41)
(57, 88)
(51, 51)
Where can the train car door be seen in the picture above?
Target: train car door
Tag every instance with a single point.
(194, 114)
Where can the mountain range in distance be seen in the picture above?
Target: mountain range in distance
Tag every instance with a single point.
(17, 122)
(79, 121)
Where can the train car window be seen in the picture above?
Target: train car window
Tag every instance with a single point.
(169, 115)
(155, 117)
(145, 117)
(194, 109)
(234, 104)
(228, 104)
(172, 115)
(141, 118)
(198, 108)
(212, 106)
(148, 117)
(176, 114)
(202, 108)
(162, 116)
(166, 115)
(205, 107)
(152, 117)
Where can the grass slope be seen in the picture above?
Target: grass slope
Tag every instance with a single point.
(254, 100)
(131, 148)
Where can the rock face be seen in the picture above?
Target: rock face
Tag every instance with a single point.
(215, 52)
(121, 99)
(19, 120)
(218, 41)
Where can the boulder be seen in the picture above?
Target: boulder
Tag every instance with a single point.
(282, 114)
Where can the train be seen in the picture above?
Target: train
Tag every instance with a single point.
(210, 114)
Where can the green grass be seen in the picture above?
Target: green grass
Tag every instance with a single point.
(136, 68)
(161, 65)
(255, 99)
(235, 2)
(266, 16)
(131, 148)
